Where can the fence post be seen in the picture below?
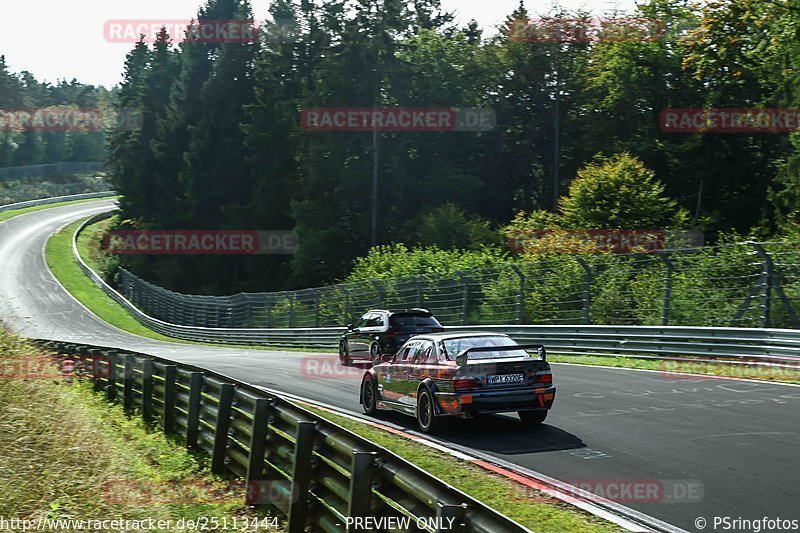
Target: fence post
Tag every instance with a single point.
(291, 310)
(318, 292)
(127, 384)
(301, 476)
(147, 390)
(667, 288)
(346, 315)
(418, 282)
(360, 501)
(221, 431)
(587, 289)
(521, 302)
(258, 446)
(767, 282)
(170, 378)
(193, 415)
(378, 292)
(464, 296)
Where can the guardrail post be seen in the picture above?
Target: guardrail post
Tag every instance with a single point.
(170, 378)
(147, 390)
(111, 385)
(127, 384)
(193, 417)
(587, 289)
(360, 500)
(521, 301)
(301, 476)
(96, 354)
(221, 431)
(667, 288)
(451, 517)
(258, 446)
(766, 284)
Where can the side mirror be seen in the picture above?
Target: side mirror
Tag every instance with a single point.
(461, 359)
(349, 327)
(387, 358)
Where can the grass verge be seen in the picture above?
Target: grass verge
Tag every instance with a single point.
(68, 454)
(525, 505)
(672, 369)
(5, 215)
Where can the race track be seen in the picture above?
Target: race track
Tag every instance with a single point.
(736, 440)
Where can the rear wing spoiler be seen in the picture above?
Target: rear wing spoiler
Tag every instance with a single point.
(463, 356)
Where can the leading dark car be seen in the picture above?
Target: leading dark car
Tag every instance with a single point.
(381, 332)
(433, 377)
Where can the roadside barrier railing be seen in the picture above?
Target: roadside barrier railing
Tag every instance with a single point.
(313, 471)
(56, 199)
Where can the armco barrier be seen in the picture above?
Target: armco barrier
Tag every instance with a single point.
(772, 346)
(56, 199)
(315, 472)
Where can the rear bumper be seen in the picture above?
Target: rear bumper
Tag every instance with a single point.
(529, 399)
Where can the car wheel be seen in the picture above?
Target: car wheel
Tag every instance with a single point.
(426, 415)
(532, 418)
(344, 358)
(375, 353)
(368, 396)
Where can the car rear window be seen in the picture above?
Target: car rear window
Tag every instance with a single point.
(401, 320)
(453, 347)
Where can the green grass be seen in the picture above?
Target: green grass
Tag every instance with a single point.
(686, 366)
(526, 505)
(5, 215)
(67, 453)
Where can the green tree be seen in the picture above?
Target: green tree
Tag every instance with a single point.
(618, 193)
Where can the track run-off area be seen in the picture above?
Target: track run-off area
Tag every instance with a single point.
(715, 447)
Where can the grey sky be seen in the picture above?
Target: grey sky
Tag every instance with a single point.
(57, 39)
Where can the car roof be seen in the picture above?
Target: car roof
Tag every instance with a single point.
(415, 310)
(457, 335)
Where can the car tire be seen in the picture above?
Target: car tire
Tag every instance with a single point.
(369, 396)
(427, 420)
(532, 418)
(344, 357)
(375, 353)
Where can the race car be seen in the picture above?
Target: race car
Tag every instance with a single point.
(444, 375)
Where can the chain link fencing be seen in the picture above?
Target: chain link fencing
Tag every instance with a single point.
(739, 285)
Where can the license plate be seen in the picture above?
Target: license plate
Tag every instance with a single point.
(506, 378)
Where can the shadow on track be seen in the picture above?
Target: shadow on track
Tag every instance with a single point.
(496, 434)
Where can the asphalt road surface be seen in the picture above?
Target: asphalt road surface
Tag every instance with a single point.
(728, 447)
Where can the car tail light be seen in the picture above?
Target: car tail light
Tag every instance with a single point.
(465, 383)
(392, 333)
(544, 377)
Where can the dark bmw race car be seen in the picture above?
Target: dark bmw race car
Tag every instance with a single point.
(445, 375)
(380, 332)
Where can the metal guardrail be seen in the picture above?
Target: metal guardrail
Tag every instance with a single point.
(57, 199)
(773, 346)
(48, 170)
(312, 470)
